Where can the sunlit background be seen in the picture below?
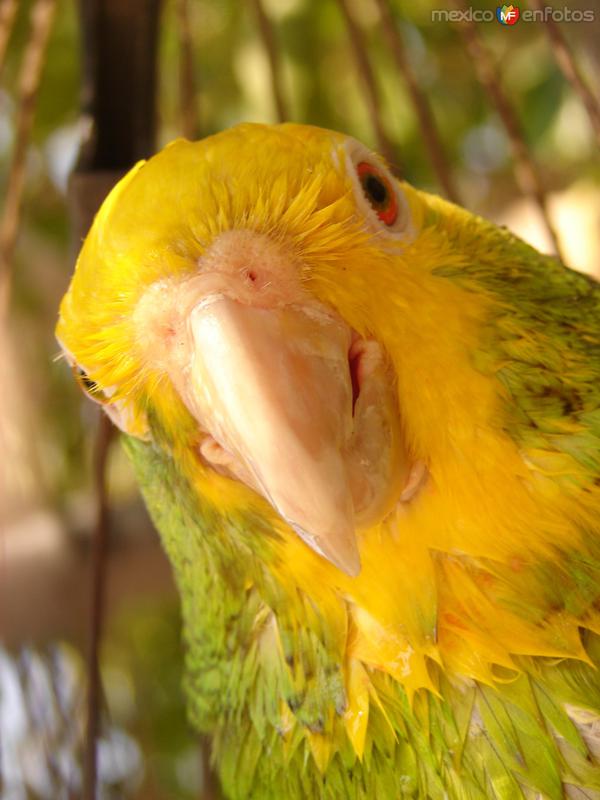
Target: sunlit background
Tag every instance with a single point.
(146, 749)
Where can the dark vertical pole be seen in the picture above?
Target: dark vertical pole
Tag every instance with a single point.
(119, 58)
(119, 80)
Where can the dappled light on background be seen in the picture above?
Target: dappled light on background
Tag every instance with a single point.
(146, 748)
(42, 729)
(576, 213)
(144, 742)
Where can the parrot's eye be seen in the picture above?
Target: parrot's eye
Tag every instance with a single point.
(379, 196)
(90, 387)
(378, 192)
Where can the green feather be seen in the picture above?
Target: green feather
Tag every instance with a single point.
(512, 740)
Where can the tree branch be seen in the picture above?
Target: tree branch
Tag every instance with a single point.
(42, 16)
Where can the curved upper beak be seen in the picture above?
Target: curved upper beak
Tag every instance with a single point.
(272, 387)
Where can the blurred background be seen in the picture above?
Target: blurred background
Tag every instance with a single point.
(502, 118)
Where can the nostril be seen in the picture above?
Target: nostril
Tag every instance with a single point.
(251, 275)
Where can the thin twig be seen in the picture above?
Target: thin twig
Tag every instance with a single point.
(566, 61)
(8, 12)
(99, 550)
(420, 103)
(190, 127)
(268, 39)
(210, 784)
(42, 15)
(367, 75)
(526, 171)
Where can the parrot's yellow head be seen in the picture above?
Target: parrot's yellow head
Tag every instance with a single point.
(234, 297)
(272, 308)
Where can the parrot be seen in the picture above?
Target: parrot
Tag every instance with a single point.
(366, 425)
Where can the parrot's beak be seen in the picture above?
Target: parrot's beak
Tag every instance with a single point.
(292, 402)
(270, 388)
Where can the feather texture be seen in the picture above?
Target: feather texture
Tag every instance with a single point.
(462, 662)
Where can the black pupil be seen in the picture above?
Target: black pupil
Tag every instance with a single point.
(376, 189)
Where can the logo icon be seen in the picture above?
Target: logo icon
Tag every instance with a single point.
(507, 15)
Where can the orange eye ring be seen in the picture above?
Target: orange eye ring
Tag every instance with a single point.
(379, 192)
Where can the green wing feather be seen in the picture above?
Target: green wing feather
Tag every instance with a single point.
(534, 733)
(543, 340)
(530, 735)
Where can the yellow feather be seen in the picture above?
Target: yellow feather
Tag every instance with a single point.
(419, 600)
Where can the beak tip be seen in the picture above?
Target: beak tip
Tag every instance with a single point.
(342, 553)
(347, 562)
(351, 567)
